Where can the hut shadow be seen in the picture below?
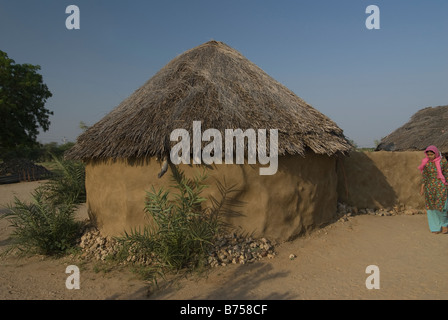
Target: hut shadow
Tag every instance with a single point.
(244, 283)
(4, 210)
(362, 184)
(246, 280)
(5, 243)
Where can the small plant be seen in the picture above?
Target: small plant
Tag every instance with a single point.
(43, 227)
(67, 184)
(181, 230)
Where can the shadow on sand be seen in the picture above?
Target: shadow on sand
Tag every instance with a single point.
(244, 282)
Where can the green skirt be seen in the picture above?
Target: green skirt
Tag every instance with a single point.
(438, 219)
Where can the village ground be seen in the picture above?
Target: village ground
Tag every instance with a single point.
(330, 263)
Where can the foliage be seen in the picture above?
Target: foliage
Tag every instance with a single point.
(38, 152)
(83, 126)
(51, 150)
(47, 225)
(180, 229)
(22, 99)
(43, 227)
(30, 152)
(67, 184)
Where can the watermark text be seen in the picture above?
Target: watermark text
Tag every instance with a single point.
(233, 140)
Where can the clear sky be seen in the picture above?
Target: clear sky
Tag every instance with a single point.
(370, 82)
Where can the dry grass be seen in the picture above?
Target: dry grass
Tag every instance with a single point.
(426, 127)
(218, 86)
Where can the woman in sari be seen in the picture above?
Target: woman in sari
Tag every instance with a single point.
(434, 169)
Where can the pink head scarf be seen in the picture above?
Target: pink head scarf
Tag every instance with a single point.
(437, 160)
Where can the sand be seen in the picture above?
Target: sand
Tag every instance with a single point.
(330, 263)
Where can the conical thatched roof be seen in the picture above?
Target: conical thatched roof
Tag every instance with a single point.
(428, 126)
(218, 86)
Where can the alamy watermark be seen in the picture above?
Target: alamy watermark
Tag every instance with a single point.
(212, 153)
(373, 280)
(373, 20)
(73, 20)
(73, 280)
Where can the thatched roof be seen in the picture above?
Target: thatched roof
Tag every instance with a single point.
(218, 86)
(428, 126)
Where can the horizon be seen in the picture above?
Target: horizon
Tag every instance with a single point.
(368, 81)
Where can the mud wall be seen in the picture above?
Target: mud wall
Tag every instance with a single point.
(300, 196)
(380, 179)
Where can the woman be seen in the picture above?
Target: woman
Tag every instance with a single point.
(434, 169)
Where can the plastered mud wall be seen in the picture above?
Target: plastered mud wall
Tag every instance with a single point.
(380, 179)
(300, 196)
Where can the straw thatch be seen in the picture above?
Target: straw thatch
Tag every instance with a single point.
(428, 126)
(218, 86)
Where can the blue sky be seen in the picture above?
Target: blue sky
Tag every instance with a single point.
(370, 82)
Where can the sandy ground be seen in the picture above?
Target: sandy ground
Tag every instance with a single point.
(329, 264)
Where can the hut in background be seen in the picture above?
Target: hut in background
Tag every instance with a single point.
(390, 177)
(428, 126)
(218, 86)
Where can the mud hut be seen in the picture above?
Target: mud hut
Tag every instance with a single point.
(428, 126)
(389, 177)
(217, 86)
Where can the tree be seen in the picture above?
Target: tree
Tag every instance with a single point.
(83, 126)
(22, 99)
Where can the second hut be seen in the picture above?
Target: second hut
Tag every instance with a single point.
(426, 127)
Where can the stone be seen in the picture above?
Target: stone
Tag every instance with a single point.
(231, 248)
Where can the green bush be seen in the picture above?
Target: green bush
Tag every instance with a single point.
(67, 184)
(43, 227)
(47, 225)
(181, 229)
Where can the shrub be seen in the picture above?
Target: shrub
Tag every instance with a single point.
(47, 225)
(43, 227)
(67, 184)
(181, 229)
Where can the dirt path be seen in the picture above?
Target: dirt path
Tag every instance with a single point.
(329, 264)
